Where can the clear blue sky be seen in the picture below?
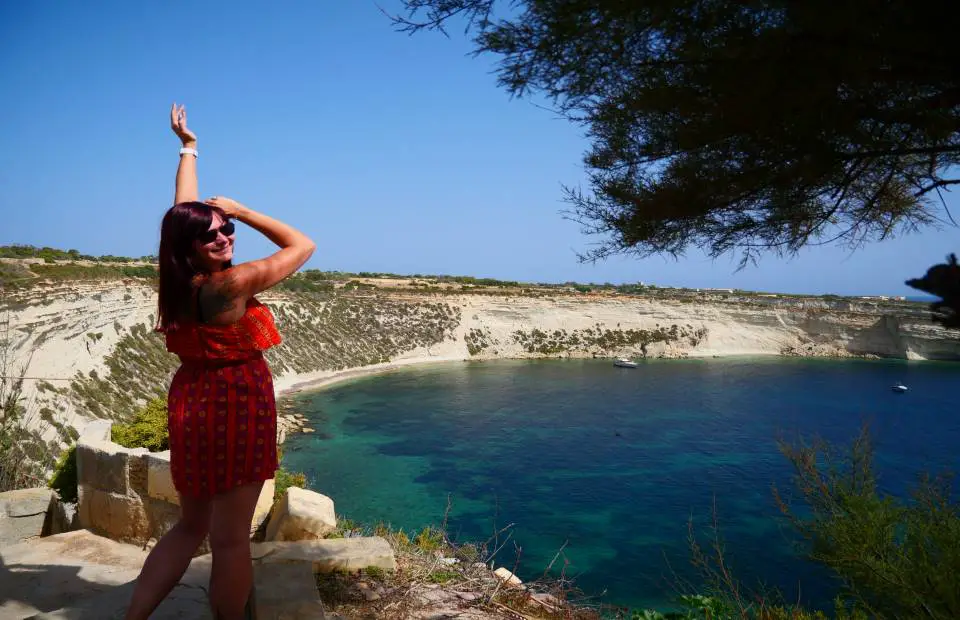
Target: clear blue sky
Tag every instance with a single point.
(394, 153)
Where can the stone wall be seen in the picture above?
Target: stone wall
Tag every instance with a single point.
(127, 494)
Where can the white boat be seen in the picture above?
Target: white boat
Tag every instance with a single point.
(625, 363)
(899, 387)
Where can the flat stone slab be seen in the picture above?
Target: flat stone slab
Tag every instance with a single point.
(347, 554)
(286, 592)
(23, 514)
(82, 575)
(183, 603)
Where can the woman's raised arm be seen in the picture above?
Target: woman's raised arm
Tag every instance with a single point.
(186, 186)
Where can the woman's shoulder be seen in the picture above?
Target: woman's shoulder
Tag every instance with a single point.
(216, 298)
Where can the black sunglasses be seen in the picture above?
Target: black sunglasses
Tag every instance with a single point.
(209, 236)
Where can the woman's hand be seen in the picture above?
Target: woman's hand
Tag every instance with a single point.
(230, 207)
(178, 122)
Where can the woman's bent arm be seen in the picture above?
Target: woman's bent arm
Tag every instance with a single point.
(248, 279)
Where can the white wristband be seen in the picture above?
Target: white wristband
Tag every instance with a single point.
(189, 151)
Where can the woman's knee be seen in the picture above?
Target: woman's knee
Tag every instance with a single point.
(225, 537)
(195, 516)
(195, 527)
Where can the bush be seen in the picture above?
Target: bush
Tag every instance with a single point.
(147, 429)
(429, 539)
(894, 557)
(284, 479)
(64, 479)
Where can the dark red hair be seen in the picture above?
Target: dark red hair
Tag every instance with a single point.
(179, 271)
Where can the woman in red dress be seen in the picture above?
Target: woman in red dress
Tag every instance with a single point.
(221, 411)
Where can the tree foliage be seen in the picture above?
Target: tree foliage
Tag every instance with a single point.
(733, 126)
(896, 558)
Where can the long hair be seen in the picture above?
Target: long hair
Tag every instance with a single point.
(179, 272)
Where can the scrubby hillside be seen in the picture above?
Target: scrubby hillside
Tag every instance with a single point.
(82, 331)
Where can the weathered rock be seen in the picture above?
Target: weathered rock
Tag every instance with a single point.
(116, 516)
(159, 480)
(346, 554)
(264, 504)
(105, 465)
(63, 517)
(286, 592)
(507, 577)
(26, 514)
(137, 469)
(80, 575)
(161, 516)
(302, 515)
(98, 430)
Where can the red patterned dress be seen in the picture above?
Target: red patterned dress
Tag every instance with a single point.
(221, 410)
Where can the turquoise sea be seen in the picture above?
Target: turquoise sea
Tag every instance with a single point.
(610, 464)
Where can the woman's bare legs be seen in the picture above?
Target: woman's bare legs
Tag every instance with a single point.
(170, 558)
(232, 576)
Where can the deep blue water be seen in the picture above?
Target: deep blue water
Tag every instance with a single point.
(614, 462)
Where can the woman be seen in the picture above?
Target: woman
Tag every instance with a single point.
(221, 410)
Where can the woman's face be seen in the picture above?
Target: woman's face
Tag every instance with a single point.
(214, 253)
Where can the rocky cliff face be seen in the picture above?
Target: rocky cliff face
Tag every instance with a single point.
(90, 352)
(681, 327)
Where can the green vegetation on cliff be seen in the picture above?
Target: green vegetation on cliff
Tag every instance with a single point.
(321, 331)
(139, 369)
(342, 330)
(600, 339)
(53, 254)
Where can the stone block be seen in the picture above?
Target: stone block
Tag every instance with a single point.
(25, 514)
(507, 577)
(103, 465)
(162, 516)
(264, 504)
(159, 480)
(286, 592)
(302, 515)
(98, 430)
(118, 517)
(345, 554)
(63, 516)
(137, 467)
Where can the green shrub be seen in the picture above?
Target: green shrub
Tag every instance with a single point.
(429, 539)
(895, 557)
(284, 479)
(64, 479)
(147, 429)
(442, 576)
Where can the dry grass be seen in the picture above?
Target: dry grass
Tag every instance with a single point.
(438, 578)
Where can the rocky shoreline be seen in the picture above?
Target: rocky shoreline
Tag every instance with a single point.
(290, 421)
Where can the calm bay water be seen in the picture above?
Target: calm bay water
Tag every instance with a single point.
(614, 462)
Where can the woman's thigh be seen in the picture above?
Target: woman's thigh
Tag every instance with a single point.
(232, 514)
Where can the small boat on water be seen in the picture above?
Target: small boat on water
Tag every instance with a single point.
(899, 388)
(625, 363)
